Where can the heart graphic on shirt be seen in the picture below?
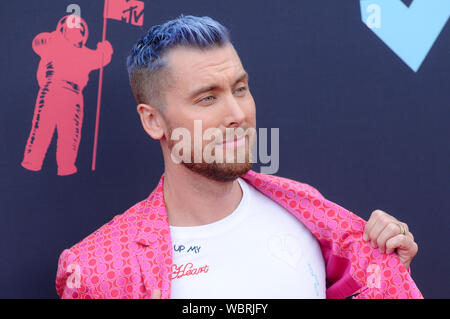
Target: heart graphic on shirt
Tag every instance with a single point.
(286, 248)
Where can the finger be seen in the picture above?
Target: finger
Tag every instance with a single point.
(407, 231)
(381, 223)
(410, 235)
(401, 242)
(156, 294)
(374, 217)
(391, 230)
(368, 227)
(405, 225)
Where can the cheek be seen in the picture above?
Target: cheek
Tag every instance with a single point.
(251, 110)
(186, 123)
(176, 118)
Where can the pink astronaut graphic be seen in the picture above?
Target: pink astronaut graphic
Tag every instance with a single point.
(62, 74)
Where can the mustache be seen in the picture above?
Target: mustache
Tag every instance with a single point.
(218, 135)
(232, 134)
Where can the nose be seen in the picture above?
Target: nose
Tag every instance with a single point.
(235, 115)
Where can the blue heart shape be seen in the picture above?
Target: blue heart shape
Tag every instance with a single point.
(409, 31)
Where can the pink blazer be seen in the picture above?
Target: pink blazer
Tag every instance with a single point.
(132, 255)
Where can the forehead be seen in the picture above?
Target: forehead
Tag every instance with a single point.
(193, 66)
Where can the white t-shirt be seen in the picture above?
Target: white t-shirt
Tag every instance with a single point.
(260, 250)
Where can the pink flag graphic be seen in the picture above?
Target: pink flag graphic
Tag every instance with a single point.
(130, 11)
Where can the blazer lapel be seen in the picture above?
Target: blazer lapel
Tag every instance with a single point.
(154, 253)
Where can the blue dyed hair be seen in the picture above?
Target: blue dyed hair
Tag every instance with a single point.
(146, 58)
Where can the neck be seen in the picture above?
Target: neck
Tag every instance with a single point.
(193, 200)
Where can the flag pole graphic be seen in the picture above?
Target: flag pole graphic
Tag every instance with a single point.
(131, 12)
(99, 93)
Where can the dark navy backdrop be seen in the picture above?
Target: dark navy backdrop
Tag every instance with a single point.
(355, 122)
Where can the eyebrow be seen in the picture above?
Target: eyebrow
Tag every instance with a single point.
(207, 88)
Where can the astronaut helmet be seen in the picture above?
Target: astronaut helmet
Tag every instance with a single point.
(74, 29)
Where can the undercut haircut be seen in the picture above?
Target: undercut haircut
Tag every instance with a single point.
(146, 63)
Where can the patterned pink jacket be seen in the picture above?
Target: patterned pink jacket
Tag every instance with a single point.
(132, 255)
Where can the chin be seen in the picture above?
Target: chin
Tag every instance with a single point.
(223, 172)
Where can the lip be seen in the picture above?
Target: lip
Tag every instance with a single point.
(235, 142)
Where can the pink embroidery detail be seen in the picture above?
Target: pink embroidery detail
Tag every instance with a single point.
(187, 270)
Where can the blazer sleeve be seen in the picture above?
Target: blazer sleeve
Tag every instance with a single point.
(71, 279)
(352, 263)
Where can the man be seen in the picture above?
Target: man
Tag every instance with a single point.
(216, 229)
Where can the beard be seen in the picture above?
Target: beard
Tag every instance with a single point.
(219, 171)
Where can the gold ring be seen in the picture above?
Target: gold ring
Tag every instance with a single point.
(402, 229)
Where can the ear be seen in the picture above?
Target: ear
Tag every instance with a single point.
(152, 120)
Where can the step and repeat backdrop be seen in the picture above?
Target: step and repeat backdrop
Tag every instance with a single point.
(359, 90)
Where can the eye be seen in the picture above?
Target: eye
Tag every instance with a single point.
(207, 100)
(241, 90)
